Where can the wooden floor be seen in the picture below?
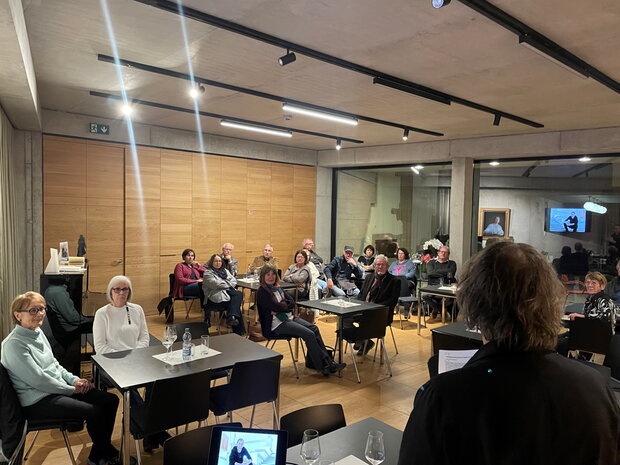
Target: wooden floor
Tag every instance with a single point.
(378, 395)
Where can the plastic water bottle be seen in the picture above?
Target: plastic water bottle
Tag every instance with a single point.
(187, 345)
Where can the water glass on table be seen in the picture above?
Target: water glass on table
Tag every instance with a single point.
(205, 343)
(310, 446)
(375, 448)
(170, 335)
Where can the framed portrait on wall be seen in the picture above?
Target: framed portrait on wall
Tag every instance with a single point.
(494, 222)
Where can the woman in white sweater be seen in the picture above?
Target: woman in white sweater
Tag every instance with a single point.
(120, 325)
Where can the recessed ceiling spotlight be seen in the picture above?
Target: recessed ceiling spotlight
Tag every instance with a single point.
(494, 163)
(406, 134)
(440, 3)
(126, 109)
(286, 59)
(585, 159)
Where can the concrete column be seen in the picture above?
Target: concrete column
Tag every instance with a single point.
(461, 209)
(322, 239)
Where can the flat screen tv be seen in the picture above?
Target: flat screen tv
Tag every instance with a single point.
(567, 220)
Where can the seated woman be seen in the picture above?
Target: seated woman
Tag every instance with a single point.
(46, 390)
(299, 274)
(598, 304)
(403, 267)
(367, 260)
(121, 325)
(188, 277)
(218, 286)
(239, 455)
(275, 307)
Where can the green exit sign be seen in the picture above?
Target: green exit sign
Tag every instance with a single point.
(96, 128)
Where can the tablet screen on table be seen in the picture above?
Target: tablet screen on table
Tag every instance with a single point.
(231, 446)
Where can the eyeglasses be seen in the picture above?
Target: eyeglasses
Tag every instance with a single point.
(34, 310)
(120, 290)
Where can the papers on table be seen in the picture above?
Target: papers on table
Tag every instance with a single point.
(247, 280)
(454, 359)
(350, 460)
(447, 288)
(341, 303)
(176, 356)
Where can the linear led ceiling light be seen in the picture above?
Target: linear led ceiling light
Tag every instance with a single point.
(319, 114)
(595, 208)
(286, 59)
(494, 163)
(251, 127)
(425, 93)
(552, 55)
(585, 159)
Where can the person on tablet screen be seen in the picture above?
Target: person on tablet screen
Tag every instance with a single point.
(571, 223)
(239, 455)
(494, 229)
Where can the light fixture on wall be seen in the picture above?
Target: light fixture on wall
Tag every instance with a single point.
(406, 134)
(585, 159)
(338, 144)
(595, 207)
(286, 59)
(319, 114)
(253, 128)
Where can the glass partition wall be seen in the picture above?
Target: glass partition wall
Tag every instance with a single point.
(390, 207)
(541, 203)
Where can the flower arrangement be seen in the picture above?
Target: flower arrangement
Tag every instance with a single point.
(430, 248)
(432, 243)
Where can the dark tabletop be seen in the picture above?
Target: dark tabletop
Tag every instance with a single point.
(322, 305)
(135, 368)
(458, 329)
(255, 285)
(435, 290)
(351, 440)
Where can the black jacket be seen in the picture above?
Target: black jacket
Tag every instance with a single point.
(514, 408)
(386, 294)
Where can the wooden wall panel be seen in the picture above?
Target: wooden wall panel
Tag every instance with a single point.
(63, 223)
(105, 171)
(234, 179)
(206, 229)
(207, 177)
(282, 177)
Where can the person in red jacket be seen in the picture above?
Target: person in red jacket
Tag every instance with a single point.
(188, 277)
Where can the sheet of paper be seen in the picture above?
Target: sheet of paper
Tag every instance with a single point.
(350, 460)
(447, 288)
(454, 359)
(176, 356)
(247, 280)
(341, 303)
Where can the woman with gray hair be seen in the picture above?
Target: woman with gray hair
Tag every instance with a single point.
(120, 325)
(516, 401)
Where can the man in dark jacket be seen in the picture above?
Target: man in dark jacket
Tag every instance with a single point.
(341, 273)
(379, 287)
(516, 401)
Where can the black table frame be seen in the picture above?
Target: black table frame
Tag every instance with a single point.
(434, 290)
(136, 368)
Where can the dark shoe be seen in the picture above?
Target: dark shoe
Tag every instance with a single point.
(364, 351)
(357, 346)
(150, 442)
(233, 321)
(335, 367)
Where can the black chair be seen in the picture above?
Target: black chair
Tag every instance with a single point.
(11, 405)
(172, 402)
(189, 299)
(612, 358)
(371, 326)
(323, 418)
(191, 447)
(589, 335)
(197, 328)
(251, 383)
(266, 323)
(433, 365)
(219, 308)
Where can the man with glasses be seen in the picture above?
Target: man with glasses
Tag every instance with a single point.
(230, 262)
(440, 269)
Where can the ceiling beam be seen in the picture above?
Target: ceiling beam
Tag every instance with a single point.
(197, 15)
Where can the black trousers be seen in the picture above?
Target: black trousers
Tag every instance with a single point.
(97, 407)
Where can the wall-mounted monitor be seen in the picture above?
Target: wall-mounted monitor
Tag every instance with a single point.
(567, 220)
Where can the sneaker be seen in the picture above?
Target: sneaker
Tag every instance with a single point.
(233, 321)
(369, 346)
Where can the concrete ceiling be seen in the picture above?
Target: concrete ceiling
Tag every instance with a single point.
(452, 49)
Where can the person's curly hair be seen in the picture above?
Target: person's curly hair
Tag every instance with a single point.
(513, 296)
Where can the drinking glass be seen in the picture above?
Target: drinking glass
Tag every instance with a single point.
(441, 281)
(205, 343)
(375, 449)
(310, 446)
(349, 294)
(170, 335)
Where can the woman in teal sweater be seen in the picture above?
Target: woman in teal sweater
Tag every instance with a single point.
(45, 389)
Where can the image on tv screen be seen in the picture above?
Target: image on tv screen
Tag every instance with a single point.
(567, 220)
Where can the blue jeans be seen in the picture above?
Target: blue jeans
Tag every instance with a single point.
(338, 292)
(310, 334)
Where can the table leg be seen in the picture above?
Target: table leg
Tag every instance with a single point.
(340, 343)
(419, 312)
(443, 310)
(276, 413)
(126, 430)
